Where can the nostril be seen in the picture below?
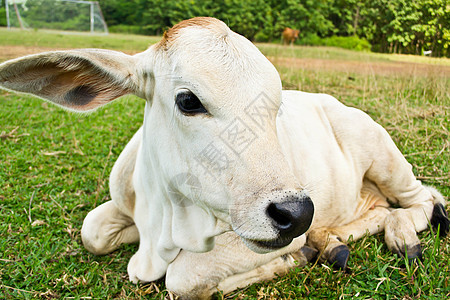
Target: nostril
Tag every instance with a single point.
(292, 217)
(280, 216)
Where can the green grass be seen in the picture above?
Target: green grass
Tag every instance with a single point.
(54, 169)
(55, 39)
(345, 55)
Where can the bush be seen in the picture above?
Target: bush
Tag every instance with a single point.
(262, 37)
(310, 40)
(346, 42)
(2, 16)
(122, 28)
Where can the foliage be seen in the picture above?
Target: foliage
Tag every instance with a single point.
(52, 14)
(2, 13)
(347, 42)
(394, 26)
(122, 28)
(402, 26)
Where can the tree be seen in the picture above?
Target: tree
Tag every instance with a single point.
(395, 26)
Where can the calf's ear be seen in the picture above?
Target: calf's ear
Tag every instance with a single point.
(80, 80)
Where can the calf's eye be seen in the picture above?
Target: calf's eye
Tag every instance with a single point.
(188, 103)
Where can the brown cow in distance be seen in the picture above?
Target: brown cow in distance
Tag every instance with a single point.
(289, 35)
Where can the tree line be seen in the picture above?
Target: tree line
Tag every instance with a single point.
(391, 26)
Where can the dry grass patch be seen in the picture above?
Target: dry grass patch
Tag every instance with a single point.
(362, 68)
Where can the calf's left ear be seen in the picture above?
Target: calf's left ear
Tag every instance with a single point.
(80, 80)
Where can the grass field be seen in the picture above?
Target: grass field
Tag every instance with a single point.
(54, 169)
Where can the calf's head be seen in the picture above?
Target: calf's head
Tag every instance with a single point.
(209, 135)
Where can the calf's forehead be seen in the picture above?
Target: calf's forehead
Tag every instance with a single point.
(220, 62)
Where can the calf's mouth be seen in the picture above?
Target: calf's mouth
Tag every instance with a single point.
(289, 218)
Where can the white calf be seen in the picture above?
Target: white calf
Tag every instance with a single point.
(219, 186)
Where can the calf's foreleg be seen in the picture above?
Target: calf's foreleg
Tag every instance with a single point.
(111, 224)
(106, 228)
(394, 177)
(330, 242)
(229, 266)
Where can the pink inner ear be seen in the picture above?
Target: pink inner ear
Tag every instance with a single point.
(81, 95)
(82, 92)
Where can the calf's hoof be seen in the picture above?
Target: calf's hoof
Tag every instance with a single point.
(339, 256)
(309, 253)
(439, 219)
(413, 253)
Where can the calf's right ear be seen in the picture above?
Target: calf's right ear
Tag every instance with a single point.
(80, 80)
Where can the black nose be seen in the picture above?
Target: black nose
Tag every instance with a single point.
(292, 217)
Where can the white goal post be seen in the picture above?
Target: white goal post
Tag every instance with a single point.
(75, 15)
